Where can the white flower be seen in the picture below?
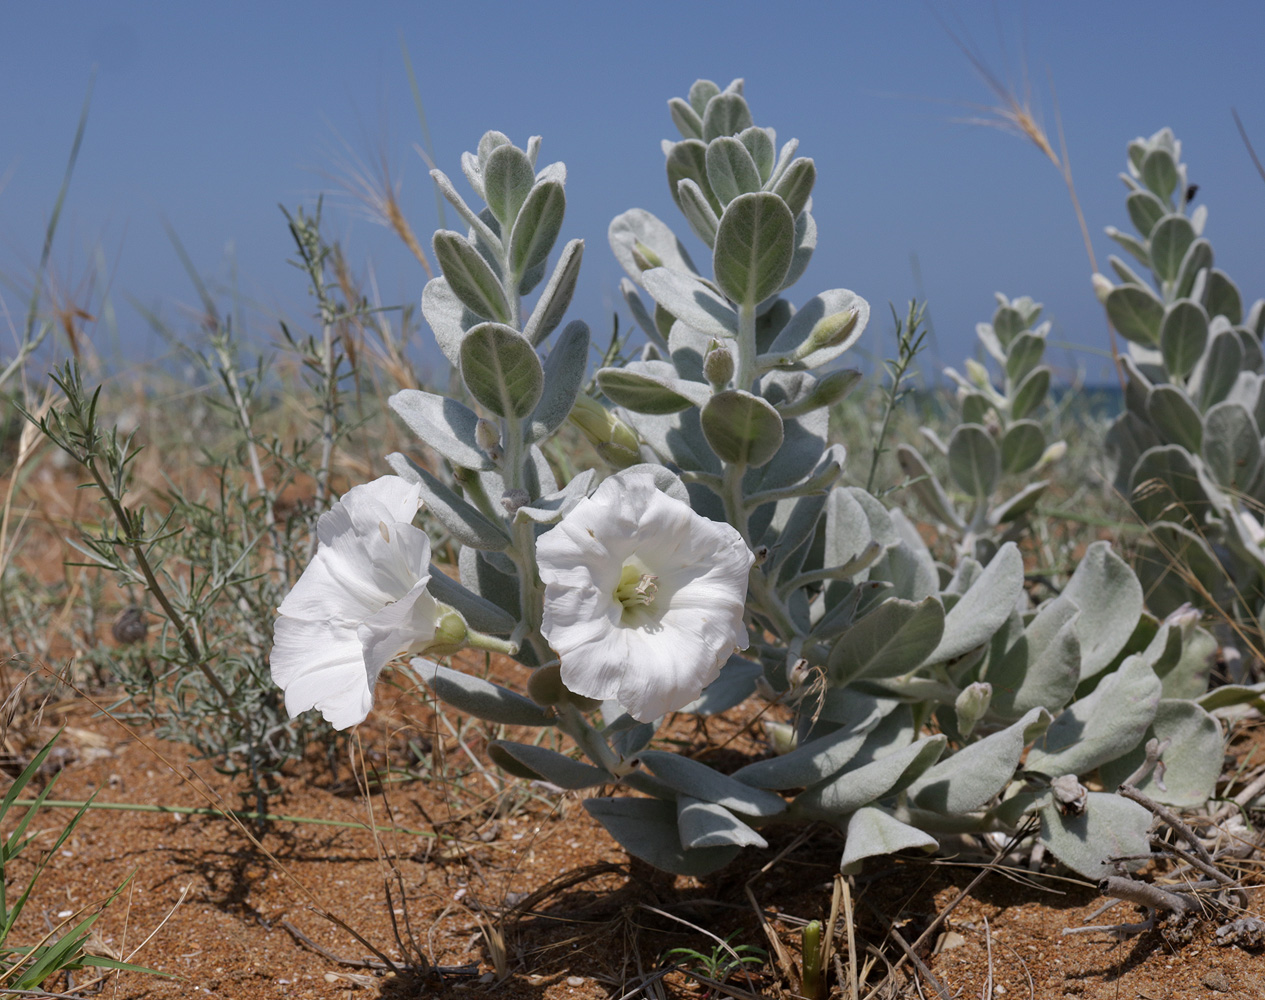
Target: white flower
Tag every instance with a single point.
(361, 603)
(643, 597)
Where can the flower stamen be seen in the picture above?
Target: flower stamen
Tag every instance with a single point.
(636, 589)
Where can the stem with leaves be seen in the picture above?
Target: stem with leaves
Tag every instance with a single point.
(910, 334)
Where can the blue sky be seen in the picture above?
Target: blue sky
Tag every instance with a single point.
(210, 115)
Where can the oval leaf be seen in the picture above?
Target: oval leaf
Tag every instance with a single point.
(501, 370)
(470, 277)
(742, 429)
(754, 245)
(974, 460)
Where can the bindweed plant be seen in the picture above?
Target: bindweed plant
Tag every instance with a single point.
(720, 556)
(997, 436)
(1187, 449)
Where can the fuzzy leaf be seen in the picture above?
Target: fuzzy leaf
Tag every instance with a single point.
(861, 786)
(501, 370)
(984, 608)
(647, 829)
(564, 372)
(537, 227)
(1136, 314)
(1109, 597)
(1192, 762)
(1110, 827)
(442, 424)
(893, 639)
(754, 245)
(549, 765)
(706, 824)
(470, 277)
(480, 698)
(974, 460)
(742, 428)
(873, 832)
(702, 782)
(692, 302)
(556, 298)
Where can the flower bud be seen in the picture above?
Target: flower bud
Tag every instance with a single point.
(487, 435)
(1102, 287)
(972, 705)
(1052, 454)
(644, 257)
(614, 440)
(829, 331)
(1070, 795)
(513, 500)
(978, 374)
(781, 736)
(718, 366)
(451, 632)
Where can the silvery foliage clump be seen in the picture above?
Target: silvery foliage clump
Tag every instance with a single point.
(1188, 449)
(911, 694)
(998, 439)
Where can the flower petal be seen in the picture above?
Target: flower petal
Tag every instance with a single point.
(397, 629)
(321, 665)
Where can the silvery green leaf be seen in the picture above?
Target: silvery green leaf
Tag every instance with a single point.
(1159, 173)
(805, 245)
(1170, 240)
(688, 121)
(845, 793)
(908, 568)
(1031, 393)
(676, 438)
(803, 442)
(1168, 485)
(1223, 297)
(508, 176)
(726, 114)
(1217, 370)
(1183, 336)
(760, 144)
(1128, 438)
(651, 387)
(692, 302)
(556, 298)
(984, 608)
(814, 761)
(1008, 322)
(1110, 827)
(501, 370)
(1134, 246)
(741, 429)
(795, 186)
(1188, 678)
(539, 473)
(794, 527)
(480, 698)
(464, 522)
(874, 832)
(882, 528)
(551, 766)
(442, 424)
(812, 327)
(564, 372)
(1025, 354)
(640, 314)
(927, 487)
(1043, 666)
(1145, 210)
(488, 583)
(975, 406)
(1179, 568)
(647, 829)
(1136, 313)
(754, 244)
(637, 226)
(490, 141)
(987, 336)
(1175, 417)
(1110, 600)
(468, 214)
(533, 150)
(1231, 445)
(470, 277)
(688, 160)
(1192, 762)
(1105, 724)
(537, 226)
(732, 686)
(702, 782)
(448, 318)
(1022, 446)
(480, 614)
(700, 93)
(1018, 505)
(473, 171)
(688, 348)
(826, 391)
(973, 776)
(893, 639)
(1256, 318)
(848, 529)
(706, 824)
(730, 169)
(697, 211)
(1198, 260)
(974, 460)
(554, 507)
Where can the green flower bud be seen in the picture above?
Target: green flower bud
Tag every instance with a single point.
(614, 440)
(487, 435)
(718, 365)
(451, 632)
(828, 331)
(972, 705)
(978, 374)
(644, 257)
